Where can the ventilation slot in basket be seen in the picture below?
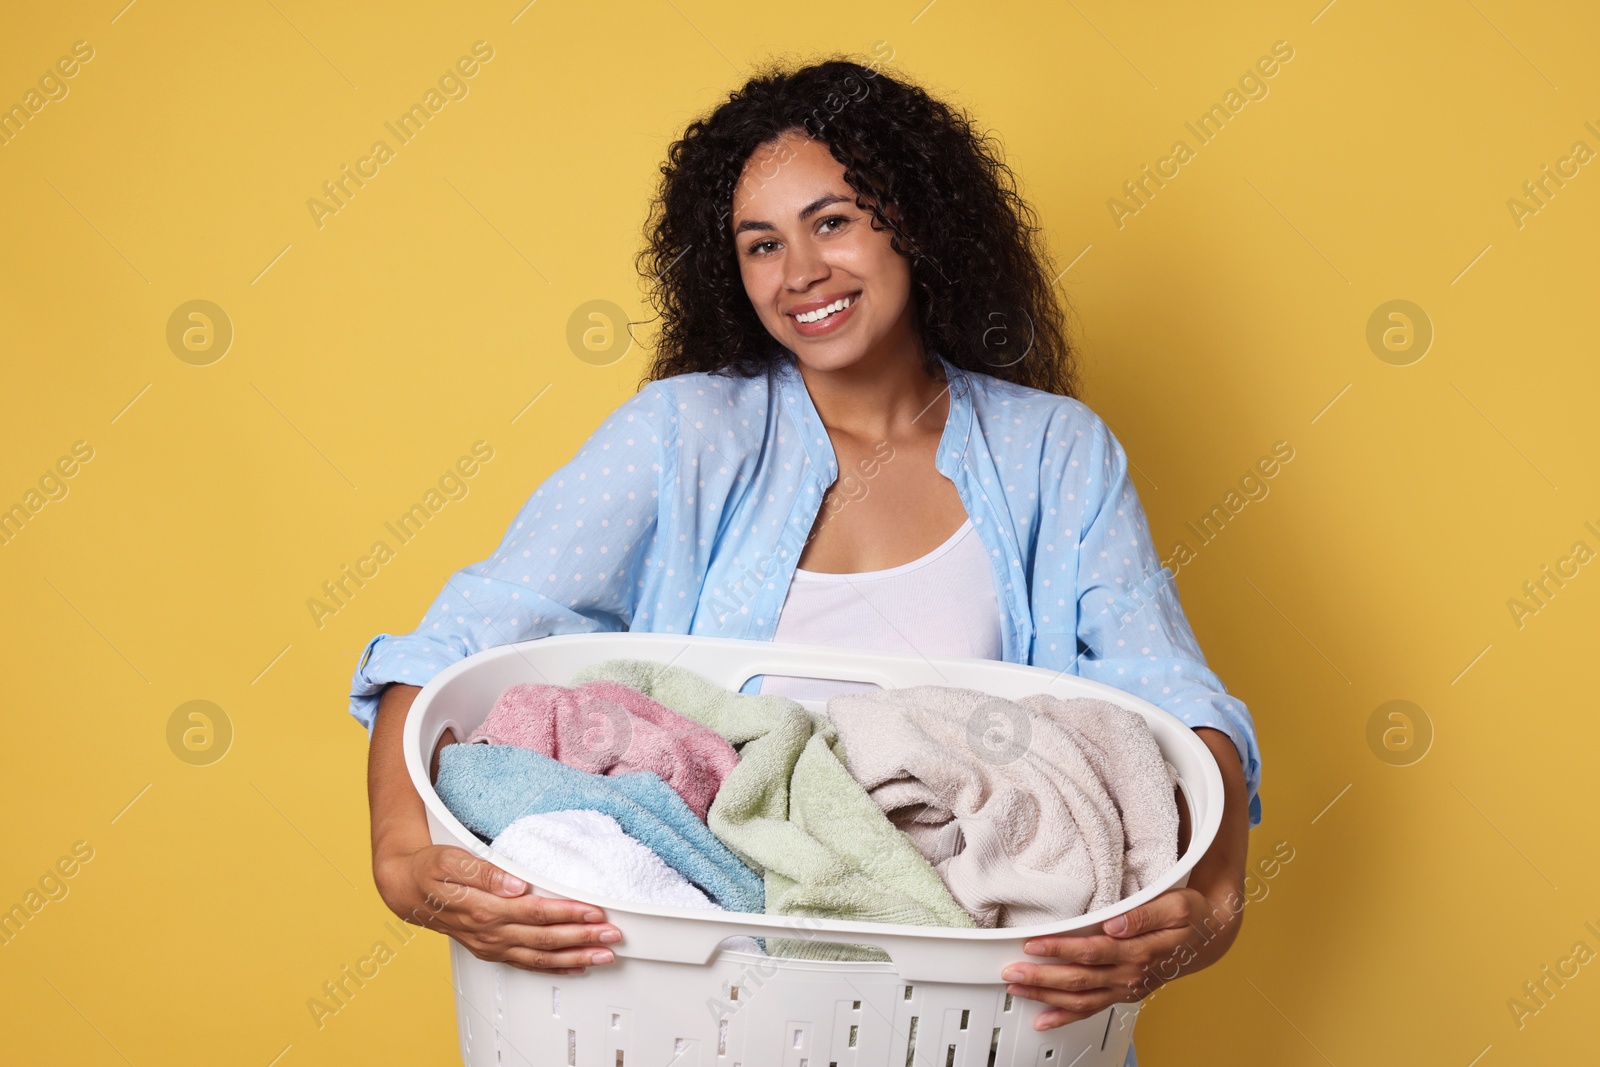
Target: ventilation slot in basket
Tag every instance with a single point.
(911, 1037)
(855, 1035)
(722, 1037)
(572, 1048)
(950, 1057)
(994, 1047)
(966, 1013)
(908, 993)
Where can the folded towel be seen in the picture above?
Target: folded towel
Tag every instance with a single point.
(488, 787)
(590, 852)
(1031, 811)
(792, 811)
(607, 728)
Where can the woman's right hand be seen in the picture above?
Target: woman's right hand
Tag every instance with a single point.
(491, 912)
(451, 890)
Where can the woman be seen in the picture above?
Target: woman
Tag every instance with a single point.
(862, 372)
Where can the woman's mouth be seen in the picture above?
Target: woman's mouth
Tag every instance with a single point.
(826, 319)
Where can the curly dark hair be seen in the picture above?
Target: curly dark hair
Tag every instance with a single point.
(980, 274)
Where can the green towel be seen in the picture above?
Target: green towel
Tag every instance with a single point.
(791, 810)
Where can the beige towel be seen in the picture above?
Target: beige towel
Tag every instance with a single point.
(1031, 811)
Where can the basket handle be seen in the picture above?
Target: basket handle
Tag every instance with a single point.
(931, 954)
(731, 662)
(691, 935)
(942, 957)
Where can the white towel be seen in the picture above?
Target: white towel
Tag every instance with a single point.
(589, 851)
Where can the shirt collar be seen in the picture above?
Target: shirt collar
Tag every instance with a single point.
(796, 399)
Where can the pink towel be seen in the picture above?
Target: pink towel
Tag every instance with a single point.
(606, 727)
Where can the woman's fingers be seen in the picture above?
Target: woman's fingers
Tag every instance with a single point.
(1088, 994)
(1093, 950)
(1118, 969)
(1085, 1003)
(1059, 976)
(538, 947)
(457, 866)
(550, 913)
(558, 936)
(1049, 1020)
(532, 909)
(492, 914)
(570, 961)
(1099, 950)
(1173, 908)
(531, 922)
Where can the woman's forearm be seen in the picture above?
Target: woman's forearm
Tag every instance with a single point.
(399, 821)
(1219, 875)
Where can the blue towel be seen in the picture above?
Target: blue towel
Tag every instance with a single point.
(488, 787)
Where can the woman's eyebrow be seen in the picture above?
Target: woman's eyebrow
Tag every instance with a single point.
(805, 213)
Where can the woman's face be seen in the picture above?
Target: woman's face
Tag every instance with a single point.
(803, 244)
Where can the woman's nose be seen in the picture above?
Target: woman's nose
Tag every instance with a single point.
(804, 266)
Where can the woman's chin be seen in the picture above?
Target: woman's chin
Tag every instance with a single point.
(829, 357)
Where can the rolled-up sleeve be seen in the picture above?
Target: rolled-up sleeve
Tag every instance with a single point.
(1131, 632)
(569, 563)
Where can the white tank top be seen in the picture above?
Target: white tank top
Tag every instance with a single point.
(942, 604)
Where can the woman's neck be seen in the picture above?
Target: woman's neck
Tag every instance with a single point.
(877, 398)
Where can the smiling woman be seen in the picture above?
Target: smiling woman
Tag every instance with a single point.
(849, 153)
(840, 290)
(825, 313)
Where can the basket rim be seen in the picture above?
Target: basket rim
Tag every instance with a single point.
(1202, 832)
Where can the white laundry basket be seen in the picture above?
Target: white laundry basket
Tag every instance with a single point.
(674, 998)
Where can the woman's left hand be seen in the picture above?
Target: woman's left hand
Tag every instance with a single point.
(1178, 932)
(1141, 950)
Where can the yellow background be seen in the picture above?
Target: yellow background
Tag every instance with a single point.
(370, 353)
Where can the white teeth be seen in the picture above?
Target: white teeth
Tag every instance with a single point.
(822, 313)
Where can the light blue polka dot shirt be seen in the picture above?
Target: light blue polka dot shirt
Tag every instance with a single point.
(687, 510)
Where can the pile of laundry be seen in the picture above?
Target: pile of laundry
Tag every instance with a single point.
(929, 805)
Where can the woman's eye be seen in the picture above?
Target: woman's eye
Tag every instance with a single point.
(757, 249)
